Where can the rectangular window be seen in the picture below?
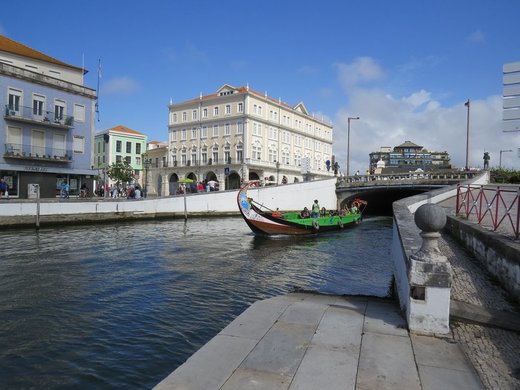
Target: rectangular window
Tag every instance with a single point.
(240, 107)
(138, 148)
(204, 157)
(228, 109)
(194, 133)
(128, 159)
(58, 145)
(129, 147)
(14, 140)
(227, 129)
(38, 107)
(183, 135)
(119, 146)
(78, 144)
(215, 111)
(118, 159)
(59, 110)
(205, 113)
(79, 113)
(204, 133)
(175, 117)
(38, 143)
(184, 116)
(215, 130)
(215, 156)
(194, 115)
(240, 128)
(15, 101)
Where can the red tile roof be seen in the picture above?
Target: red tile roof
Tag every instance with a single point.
(123, 129)
(13, 47)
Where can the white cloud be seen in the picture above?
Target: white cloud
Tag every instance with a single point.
(476, 37)
(388, 121)
(362, 70)
(120, 86)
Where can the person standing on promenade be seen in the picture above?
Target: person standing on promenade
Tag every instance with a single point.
(3, 188)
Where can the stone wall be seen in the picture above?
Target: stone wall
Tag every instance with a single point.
(498, 254)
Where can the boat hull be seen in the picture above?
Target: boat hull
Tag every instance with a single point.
(273, 223)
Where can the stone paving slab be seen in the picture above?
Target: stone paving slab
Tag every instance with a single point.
(309, 341)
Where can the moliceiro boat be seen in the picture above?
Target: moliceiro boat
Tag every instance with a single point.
(268, 222)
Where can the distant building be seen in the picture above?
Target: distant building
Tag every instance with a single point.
(238, 134)
(47, 122)
(156, 162)
(119, 144)
(407, 157)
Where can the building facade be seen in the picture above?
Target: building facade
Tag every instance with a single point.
(47, 122)
(116, 145)
(408, 157)
(238, 134)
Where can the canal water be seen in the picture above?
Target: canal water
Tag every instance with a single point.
(123, 305)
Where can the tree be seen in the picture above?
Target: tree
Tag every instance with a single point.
(121, 172)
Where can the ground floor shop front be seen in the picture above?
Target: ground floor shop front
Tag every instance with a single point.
(22, 184)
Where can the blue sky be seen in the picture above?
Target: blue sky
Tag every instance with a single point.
(404, 67)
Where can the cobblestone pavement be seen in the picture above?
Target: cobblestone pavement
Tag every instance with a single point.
(493, 352)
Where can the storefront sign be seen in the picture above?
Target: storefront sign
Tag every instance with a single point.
(36, 169)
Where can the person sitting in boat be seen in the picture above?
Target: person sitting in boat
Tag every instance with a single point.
(344, 211)
(354, 208)
(315, 213)
(305, 213)
(323, 212)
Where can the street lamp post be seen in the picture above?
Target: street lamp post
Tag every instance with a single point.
(467, 104)
(277, 171)
(500, 160)
(348, 140)
(146, 166)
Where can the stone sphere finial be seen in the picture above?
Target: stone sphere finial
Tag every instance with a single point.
(430, 218)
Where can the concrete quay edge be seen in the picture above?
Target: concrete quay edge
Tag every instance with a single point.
(312, 341)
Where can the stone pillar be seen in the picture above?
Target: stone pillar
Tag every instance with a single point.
(429, 276)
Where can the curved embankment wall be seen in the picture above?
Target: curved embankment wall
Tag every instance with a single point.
(500, 255)
(55, 211)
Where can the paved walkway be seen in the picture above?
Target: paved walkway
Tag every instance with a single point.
(309, 341)
(494, 352)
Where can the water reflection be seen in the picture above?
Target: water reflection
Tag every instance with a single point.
(121, 306)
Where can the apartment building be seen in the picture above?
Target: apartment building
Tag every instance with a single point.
(119, 144)
(239, 134)
(47, 122)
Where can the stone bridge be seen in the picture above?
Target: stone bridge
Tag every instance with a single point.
(382, 190)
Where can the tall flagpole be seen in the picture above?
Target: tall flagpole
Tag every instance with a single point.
(97, 91)
(467, 137)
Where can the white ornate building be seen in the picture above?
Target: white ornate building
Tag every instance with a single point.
(238, 134)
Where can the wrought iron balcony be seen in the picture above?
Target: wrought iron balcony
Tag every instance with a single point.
(32, 115)
(41, 153)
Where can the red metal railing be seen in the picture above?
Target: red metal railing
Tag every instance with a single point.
(491, 206)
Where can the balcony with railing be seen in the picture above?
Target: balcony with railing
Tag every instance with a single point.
(36, 116)
(40, 153)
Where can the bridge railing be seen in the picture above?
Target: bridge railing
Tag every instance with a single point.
(493, 207)
(408, 177)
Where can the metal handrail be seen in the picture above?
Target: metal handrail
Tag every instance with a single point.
(39, 116)
(495, 204)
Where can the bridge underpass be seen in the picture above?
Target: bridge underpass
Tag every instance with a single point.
(380, 198)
